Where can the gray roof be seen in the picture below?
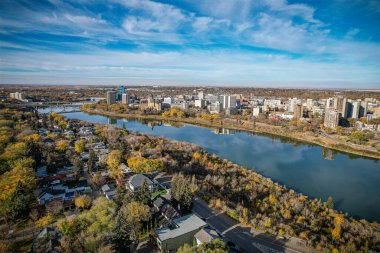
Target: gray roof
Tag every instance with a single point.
(206, 235)
(181, 226)
(138, 179)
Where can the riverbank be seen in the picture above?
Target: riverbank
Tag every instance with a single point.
(258, 128)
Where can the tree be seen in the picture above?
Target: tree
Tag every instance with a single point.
(91, 163)
(78, 164)
(186, 248)
(143, 165)
(330, 203)
(80, 146)
(121, 235)
(83, 201)
(134, 213)
(44, 221)
(144, 193)
(181, 191)
(62, 145)
(113, 162)
(17, 185)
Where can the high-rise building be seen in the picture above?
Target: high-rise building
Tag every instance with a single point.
(309, 104)
(363, 109)
(329, 103)
(201, 95)
(355, 109)
(168, 100)
(111, 97)
(200, 103)
(340, 104)
(298, 111)
(18, 95)
(125, 99)
(120, 91)
(228, 101)
(292, 103)
(215, 107)
(256, 111)
(332, 117)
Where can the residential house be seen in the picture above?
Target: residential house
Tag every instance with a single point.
(179, 232)
(109, 191)
(136, 181)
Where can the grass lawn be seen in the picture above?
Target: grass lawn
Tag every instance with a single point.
(155, 194)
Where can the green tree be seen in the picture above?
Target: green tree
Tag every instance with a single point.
(181, 191)
(91, 163)
(144, 193)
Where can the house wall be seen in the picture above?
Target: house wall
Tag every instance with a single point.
(172, 244)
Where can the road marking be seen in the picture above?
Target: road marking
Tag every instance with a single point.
(230, 228)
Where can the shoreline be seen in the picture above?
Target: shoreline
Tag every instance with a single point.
(260, 128)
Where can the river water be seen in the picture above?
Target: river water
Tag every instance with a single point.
(352, 181)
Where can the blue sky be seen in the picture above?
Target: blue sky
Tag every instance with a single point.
(262, 43)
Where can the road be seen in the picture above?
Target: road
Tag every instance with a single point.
(242, 236)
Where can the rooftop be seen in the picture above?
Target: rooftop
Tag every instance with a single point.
(180, 226)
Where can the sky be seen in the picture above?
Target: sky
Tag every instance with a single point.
(258, 43)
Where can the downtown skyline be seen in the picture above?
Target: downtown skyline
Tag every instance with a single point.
(278, 43)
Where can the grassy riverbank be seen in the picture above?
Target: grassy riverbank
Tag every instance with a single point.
(259, 128)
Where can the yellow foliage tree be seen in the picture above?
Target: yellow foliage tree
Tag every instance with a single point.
(61, 145)
(80, 146)
(113, 162)
(83, 201)
(44, 221)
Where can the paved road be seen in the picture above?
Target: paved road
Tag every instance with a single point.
(241, 236)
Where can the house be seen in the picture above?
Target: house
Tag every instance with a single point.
(179, 232)
(164, 211)
(109, 190)
(206, 235)
(136, 181)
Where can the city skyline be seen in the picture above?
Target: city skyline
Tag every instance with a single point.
(237, 43)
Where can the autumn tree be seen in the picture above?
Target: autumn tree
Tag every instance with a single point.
(61, 145)
(83, 202)
(113, 162)
(135, 213)
(80, 146)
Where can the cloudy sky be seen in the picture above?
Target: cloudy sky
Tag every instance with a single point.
(264, 43)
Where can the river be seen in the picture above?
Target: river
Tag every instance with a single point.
(352, 181)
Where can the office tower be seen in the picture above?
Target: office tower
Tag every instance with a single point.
(228, 101)
(332, 117)
(111, 97)
(120, 91)
(298, 111)
(215, 107)
(125, 99)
